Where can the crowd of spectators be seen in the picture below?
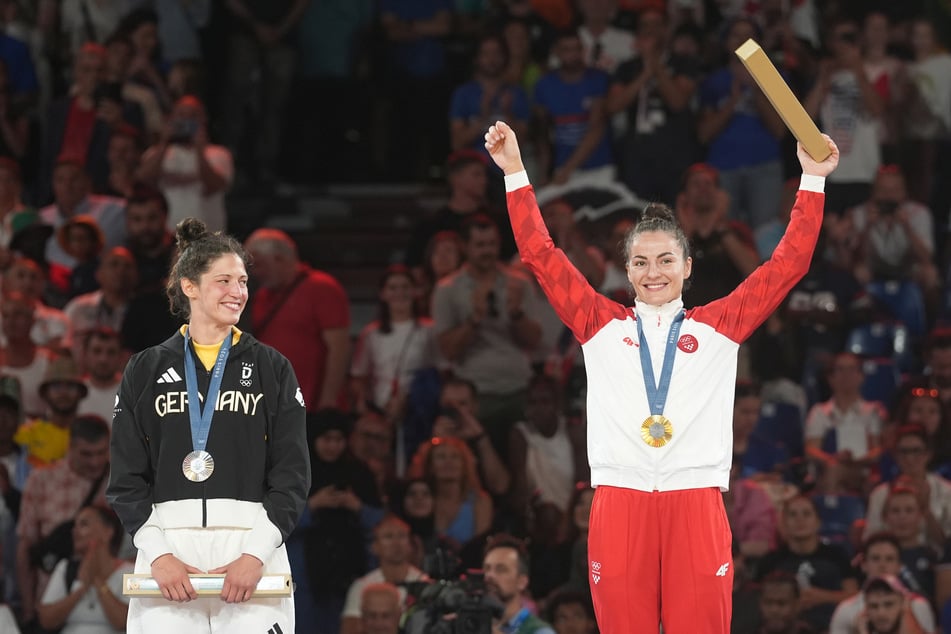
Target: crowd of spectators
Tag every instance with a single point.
(450, 435)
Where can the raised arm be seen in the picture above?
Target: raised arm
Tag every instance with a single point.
(738, 314)
(578, 305)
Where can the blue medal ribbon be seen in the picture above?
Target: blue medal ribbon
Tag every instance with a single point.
(200, 417)
(656, 393)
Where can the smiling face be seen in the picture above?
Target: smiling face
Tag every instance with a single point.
(221, 293)
(656, 267)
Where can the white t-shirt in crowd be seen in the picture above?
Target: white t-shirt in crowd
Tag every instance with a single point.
(853, 129)
(846, 615)
(31, 377)
(398, 354)
(852, 427)
(99, 401)
(189, 200)
(87, 617)
(351, 606)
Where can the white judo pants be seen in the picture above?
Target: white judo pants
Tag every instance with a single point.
(205, 549)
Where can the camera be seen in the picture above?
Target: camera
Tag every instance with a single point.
(887, 207)
(183, 131)
(849, 37)
(108, 91)
(450, 412)
(459, 606)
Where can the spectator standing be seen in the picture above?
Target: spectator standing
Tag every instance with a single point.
(928, 116)
(605, 46)
(487, 98)
(304, 314)
(845, 101)
(655, 90)
(261, 70)
(415, 35)
(193, 173)
(742, 132)
(485, 325)
(569, 101)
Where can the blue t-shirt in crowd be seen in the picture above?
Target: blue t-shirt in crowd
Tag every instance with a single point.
(837, 514)
(745, 140)
(20, 70)
(425, 57)
(569, 106)
(467, 105)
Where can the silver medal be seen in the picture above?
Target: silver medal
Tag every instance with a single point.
(198, 466)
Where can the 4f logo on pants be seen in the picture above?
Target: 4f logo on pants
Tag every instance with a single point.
(721, 571)
(596, 571)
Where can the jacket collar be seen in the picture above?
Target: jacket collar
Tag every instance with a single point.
(666, 312)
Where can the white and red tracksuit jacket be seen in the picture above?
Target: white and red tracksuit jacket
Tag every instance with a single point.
(700, 401)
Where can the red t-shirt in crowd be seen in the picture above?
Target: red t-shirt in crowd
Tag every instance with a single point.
(316, 304)
(78, 133)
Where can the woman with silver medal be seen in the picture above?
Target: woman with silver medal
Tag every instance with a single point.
(660, 383)
(210, 467)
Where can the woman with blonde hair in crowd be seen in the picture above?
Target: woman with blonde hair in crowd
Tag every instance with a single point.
(462, 509)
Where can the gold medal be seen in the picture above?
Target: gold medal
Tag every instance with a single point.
(656, 430)
(198, 466)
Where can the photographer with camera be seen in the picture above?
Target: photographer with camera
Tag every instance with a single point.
(192, 173)
(506, 567)
(889, 236)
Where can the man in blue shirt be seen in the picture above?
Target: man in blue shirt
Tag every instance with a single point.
(570, 100)
(21, 74)
(486, 99)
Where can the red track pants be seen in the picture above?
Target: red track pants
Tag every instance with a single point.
(660, 557)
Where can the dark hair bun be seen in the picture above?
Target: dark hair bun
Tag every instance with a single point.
(658, 211)
(188, 231)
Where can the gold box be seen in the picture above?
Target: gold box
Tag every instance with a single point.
(784, 101)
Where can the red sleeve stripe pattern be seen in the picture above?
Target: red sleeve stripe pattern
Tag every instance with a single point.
(579, 306)
(738, 314)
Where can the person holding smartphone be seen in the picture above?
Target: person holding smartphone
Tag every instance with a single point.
(193, 173)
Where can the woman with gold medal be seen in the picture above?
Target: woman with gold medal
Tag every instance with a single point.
(660, 402)
(209, 463)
